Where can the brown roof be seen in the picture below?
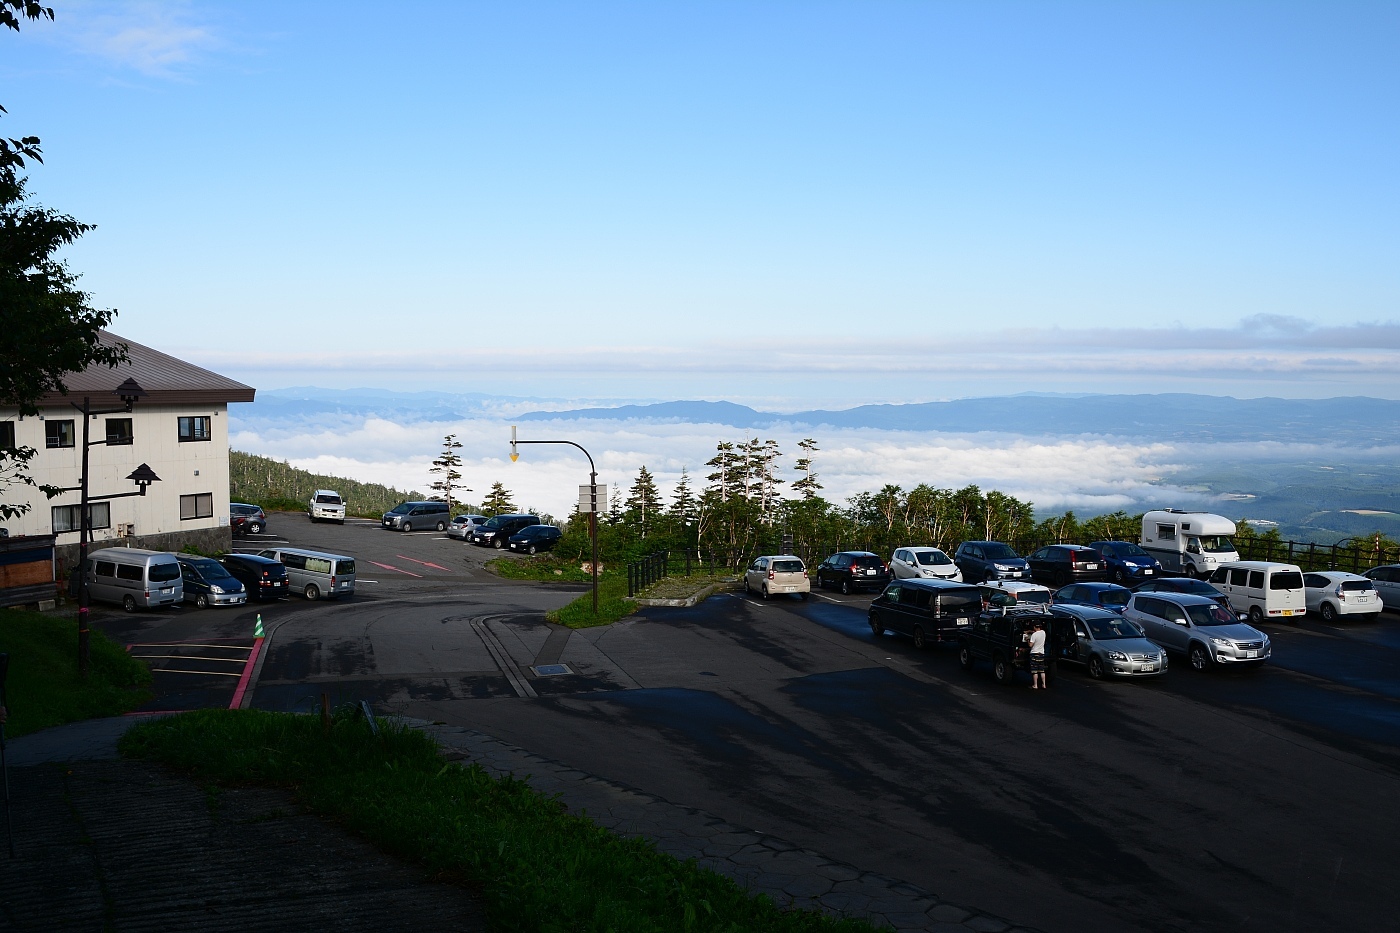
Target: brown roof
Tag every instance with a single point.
(166, 379)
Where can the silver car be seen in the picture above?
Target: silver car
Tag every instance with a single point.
(1387, 581)
(777, 573)
(927, 563)
(1200, 628)
(463, 525)
(1105, 643)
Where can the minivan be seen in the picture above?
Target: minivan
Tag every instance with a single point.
(407, 516)
(134, 578)
(326, 504)
(316, 573)
(1262, 588)
(498, 529)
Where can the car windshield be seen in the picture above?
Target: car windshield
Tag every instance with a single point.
(998, 552)
(1033, 596)
(1194, 587)
(932, 558)
(1352, 586)
(1217, 544)
(328, 500)
(208, 568)
(1213, 614)
(400, 509)
(1124, 549)
(870, 561)
(1114, 597)
(1108, 629)
(787, 566)
(492, 524)
(161, 573)
(1287, 580)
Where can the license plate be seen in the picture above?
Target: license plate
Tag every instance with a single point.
(1146, 668)
(964, 621)
(1015, 573)
(166, 591)
(1091, 566)
(1251, 654)
(1147, 573)
(345, 585)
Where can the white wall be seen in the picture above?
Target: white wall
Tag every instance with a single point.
(155, 434)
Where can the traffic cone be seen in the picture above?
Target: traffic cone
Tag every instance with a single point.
(258, 629)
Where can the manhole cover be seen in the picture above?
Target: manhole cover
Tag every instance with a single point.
(551, 670)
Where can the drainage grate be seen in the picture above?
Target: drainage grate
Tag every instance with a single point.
(551, 670)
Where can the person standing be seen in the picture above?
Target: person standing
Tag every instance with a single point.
(1037, 649)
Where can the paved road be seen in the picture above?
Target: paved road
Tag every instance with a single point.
(1241, 800)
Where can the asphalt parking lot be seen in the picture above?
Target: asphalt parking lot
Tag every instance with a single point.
(1233, 800)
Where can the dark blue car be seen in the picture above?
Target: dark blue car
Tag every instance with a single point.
(1108, 596)
(990, 560)
(534, 538)
(1127, 563)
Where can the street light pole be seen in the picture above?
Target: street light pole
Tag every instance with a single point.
(593, 500)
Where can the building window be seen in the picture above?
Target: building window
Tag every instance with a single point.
(7, 435)
(58, 433)
(195, 428)
(199, 505)
(65, 517)
(118, 431)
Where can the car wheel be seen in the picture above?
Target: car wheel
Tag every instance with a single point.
(312, 592)
(1002, 670)
(340, 521)
(965, 657)
(201, 601)
(1200, 658)
(876, 626)
(532, 549)
(748, 590)
(1062, 577)
(1117, 576)
(255, 528)
(802, 596)
(498, 543)
(764, 593)
(845, 587)
(920, 641)
(1256, 615)
(129, 603)
(442, 526)
(1329, 613)
(408, 526)
(1096, 668)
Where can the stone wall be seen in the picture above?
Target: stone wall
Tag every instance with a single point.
(206, 540)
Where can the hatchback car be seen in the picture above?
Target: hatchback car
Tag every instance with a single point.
(463, 525)
(1108, 596)
(923, 563)
(990, 560)
(1105, 643)
(208, 583)
(777, 573)
(850, 571)
(246, 519)
(261, 577)
(1333, 593)
(1200, 628)
(1183, 585)
(1126, 562)
(1061, 564)
(534, 538)
(1387, 581)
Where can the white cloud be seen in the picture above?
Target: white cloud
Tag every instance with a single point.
(154, 38)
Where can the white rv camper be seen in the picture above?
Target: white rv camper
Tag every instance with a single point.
(1188, 542)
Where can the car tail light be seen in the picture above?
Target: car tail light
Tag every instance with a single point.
(332, 582)
(771, 574)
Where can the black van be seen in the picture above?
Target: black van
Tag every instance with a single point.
(497, 530)
(928, 610)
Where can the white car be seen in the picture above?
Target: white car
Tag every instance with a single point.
(1032, 594)
(927, 563)
(777, 573)
(1333, 593)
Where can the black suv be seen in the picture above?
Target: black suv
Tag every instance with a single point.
(535, 538)
(999, 636)
(499, 529)
(853, 570)
(1062, 564)
(263, 577)
(990, 560)
(247, 519)
(927, 610)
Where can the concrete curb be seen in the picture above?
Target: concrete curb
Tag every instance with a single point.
(691, 600)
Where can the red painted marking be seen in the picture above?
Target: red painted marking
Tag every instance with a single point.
(395, 569)
(423, 562)
(247, 673)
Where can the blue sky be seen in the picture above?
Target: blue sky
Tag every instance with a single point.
(784, 203)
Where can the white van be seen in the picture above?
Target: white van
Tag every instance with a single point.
(1193, 543)
(315, 573)
(326, 504)
(134, 578)
(1262, 588)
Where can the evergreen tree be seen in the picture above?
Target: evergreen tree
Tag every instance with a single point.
(683, 503)
(615, 505)
(726, 481)
(498, 501)
(446, 465)
(807, 486)
(643, 505)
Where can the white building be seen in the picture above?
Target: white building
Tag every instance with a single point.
(179, 429)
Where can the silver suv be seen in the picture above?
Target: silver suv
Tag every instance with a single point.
(1198, 627)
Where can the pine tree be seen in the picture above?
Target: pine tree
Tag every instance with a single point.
(498, 501)
(643, 505)
(615, 505)
(725, 481)
(807, 485)
(446, 465)
(683, 504)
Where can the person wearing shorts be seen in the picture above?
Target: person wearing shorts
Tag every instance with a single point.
(1037, 657)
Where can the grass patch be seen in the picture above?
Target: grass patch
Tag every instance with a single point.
(43, 688)
(613, 604)
(544, 567)
(683, 587)
(539, 867)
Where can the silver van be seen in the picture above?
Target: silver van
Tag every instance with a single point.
(326, 505)
(407, 516)
(134, 578)
(315, 573)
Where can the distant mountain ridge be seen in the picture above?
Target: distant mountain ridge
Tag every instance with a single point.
(1356, 421)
